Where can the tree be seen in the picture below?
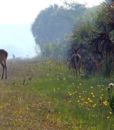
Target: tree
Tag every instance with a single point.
(53, 24)
(103, 42)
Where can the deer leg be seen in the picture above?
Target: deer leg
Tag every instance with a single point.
(2, 72)
(76, 72)
(79, 71)
(5, 71)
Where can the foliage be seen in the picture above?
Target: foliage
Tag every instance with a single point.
(104, 19)
(99, 32)
(55, 51)
(103, 42)
(112, 102)
(78, 103)
(82, 36)
(111, 96)
(84, 33)
(54, 23)
(52, 99)
(108, 67)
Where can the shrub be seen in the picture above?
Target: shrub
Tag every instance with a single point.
(111, 102)
(111, 96)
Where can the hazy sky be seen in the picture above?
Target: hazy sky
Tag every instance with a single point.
(24, 11)
(16, 17)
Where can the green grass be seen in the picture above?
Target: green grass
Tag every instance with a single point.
(41, 95)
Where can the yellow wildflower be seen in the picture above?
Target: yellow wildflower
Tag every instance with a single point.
(69, 93)
(88, 99)
(86, 103)
(94, 105)
(110, 113)
(91, 87)
(108, 117)
(80, 84)
(79, 96)
(92, 94)
(78, 101)
(105, 103)
(91, 101)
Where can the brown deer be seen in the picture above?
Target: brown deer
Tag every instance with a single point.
(3, 58)
(75, 62)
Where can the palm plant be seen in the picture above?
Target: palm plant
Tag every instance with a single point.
(103, 43)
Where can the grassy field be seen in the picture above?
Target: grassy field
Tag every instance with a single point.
(43, 95)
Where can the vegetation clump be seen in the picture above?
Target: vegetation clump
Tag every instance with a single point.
(111, 96)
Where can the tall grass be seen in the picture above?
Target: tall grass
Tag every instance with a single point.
(78, 102)
(52, 98)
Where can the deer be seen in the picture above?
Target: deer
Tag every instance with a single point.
(75, 61)
(3, 58)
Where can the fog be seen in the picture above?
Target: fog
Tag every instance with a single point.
(17, 39)
(16, 18)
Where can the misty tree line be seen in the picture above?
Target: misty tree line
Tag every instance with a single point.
(59, 30)
(53, 27)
